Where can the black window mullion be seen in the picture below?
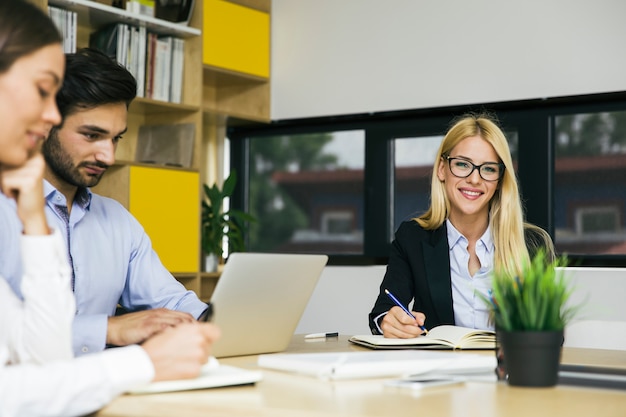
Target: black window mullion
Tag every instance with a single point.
(535, 164)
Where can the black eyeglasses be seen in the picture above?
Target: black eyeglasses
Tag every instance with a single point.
(462, 168)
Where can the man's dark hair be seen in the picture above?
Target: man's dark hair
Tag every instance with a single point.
(93, 79)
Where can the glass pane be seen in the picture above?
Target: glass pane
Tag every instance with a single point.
(414, 159)
(590, 183)
(306, 192)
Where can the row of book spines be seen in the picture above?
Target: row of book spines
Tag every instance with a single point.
(155, 61)
(65, 21)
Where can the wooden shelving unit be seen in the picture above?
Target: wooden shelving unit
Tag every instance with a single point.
(212, 92)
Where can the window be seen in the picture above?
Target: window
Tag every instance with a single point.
(342, 185)
(590, 183)
(413, 162)
(597, 220)
(306, 192)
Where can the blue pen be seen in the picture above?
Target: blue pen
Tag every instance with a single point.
(399, 304)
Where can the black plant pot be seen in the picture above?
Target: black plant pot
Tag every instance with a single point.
(532, 358)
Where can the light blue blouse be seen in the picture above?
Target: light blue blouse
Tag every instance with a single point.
(469, 309)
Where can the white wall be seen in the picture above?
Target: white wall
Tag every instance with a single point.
(337, 57)
(334, 57)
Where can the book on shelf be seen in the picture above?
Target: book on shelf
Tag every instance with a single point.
(440, 337)
(150, 53)
(178, 60)
(162, 68)
(65, 21)
(156, 62)
(141, 7)
(141, 61)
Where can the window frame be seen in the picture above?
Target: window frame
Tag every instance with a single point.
(534, 120)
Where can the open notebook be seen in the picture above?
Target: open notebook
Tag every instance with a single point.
(440, 337)
(213, 375)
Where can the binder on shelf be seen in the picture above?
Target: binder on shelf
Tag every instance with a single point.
(111, 40)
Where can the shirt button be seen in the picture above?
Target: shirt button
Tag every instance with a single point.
(85, 349)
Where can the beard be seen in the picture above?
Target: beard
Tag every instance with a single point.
(61, 164)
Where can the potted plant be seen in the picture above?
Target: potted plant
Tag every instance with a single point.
(217, 224)
(530, 314)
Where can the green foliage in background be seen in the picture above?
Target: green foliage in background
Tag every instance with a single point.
(217, 224)
(279, 215)
(536, 301)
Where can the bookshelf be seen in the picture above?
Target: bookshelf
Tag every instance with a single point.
(214, 90)
(235, 80)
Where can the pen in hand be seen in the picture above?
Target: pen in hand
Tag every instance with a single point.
(399, 304)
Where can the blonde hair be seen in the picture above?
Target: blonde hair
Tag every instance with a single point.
(505, 208)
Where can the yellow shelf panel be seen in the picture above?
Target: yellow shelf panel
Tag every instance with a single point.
(236, 38)
(167, 204)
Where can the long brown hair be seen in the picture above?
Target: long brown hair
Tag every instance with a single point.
(24, 28)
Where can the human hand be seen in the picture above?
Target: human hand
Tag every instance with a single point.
(25, 185)
(136, 327)
(397, 324)
(179, 352)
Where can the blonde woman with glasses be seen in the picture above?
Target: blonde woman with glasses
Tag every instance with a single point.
(475, 225)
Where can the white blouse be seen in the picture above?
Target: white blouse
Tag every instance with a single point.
(38, 375)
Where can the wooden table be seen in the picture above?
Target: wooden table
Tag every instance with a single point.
(281, 394)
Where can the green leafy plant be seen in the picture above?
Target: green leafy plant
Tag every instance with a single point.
(536, 301)
(217, 224)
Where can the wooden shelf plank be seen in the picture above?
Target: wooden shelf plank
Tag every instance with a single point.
(99, 15)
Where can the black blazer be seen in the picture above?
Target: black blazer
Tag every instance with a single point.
(419, 270)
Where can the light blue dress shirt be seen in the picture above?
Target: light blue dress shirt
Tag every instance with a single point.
(469, 309)
(113, 262)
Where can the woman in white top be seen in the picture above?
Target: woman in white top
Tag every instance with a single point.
(38, 375)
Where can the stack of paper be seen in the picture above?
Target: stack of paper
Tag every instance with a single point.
(374, 364)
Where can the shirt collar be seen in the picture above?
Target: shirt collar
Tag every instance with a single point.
(455, 237)
(82, 198)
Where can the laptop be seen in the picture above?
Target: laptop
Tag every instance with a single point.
(259, 300)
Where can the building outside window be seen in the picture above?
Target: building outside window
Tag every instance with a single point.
(307, 192)
(590, 183)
